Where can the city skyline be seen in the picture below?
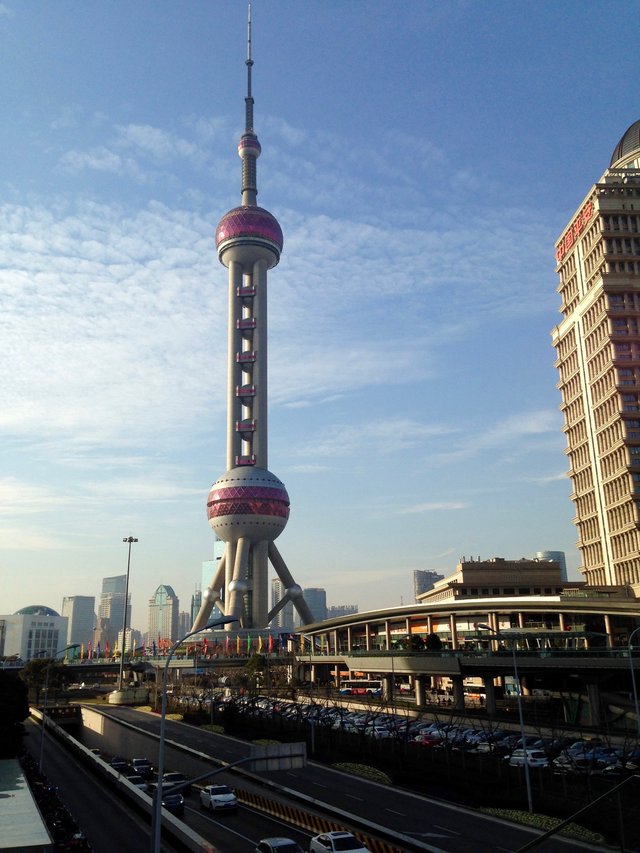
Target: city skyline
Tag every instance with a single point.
(417, 285)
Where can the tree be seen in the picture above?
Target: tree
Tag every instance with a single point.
(434, 643)
(35, 674)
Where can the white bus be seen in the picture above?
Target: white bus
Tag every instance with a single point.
(361, 687)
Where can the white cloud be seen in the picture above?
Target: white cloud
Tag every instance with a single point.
(511, 432)
(419, 509)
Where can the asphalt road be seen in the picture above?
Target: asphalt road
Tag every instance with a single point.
(110, 825)
(433, 825)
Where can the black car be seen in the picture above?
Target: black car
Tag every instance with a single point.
(143, 767)
(119, 763)
(172, 802)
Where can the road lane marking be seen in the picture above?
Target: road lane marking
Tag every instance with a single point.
(446, 829)
(393, 811)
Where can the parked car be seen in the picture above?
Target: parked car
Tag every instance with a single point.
(175, 778)
(603, 755)
(218, 798)
(567, 763)
(119, 763)
(531, 757)
(278, 845)
(336, 841)
(143, 767)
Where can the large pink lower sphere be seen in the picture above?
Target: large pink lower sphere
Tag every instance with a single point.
(250, 503)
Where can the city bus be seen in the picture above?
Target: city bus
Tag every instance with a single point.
(361, 687)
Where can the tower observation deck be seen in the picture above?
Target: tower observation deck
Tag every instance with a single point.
(248, 506)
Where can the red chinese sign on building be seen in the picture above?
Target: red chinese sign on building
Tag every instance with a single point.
(574, 231)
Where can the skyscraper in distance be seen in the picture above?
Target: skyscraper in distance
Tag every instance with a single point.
(283, 618)
(598, 357)
(111, 609)
(316, 598)
(80, 611)
(164, 610)
(248, 507)
(558, 557)
(423, 581)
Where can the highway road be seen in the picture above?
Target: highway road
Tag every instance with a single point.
(431, 824)
(110, 825)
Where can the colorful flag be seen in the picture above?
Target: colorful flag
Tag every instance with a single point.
(98, 649)
(237, 644)
(248, 643)
(204, 646)
(226, 644)
(270, 643)
(82, 652)
(154, 648)
(260, 644)
(89, 650)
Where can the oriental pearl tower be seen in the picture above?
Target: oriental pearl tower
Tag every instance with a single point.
(248, 506)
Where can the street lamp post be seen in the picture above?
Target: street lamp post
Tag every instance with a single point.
(156, 820)
(633, 679)
(46, 696)
(527, 775)
(129, 540)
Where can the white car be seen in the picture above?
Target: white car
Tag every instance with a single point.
(532, 757)
(336, 841)
(218, 798)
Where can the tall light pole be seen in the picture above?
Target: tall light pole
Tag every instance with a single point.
(527, 776)
(156, 821)
(129, 540)
(46, 695)
(633, 678)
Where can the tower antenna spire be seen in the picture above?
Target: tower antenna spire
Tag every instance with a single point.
(249, 62)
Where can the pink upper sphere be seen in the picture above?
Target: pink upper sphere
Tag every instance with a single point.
(247, 222)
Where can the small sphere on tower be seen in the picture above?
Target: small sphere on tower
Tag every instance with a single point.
(248, 503)
(249, 145)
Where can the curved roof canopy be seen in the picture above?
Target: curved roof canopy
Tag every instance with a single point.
(36, 610)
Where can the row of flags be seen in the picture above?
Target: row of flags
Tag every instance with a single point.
(162, 647)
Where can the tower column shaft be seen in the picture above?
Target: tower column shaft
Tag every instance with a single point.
(260, 412)
(234, 376)
(260, 583)
(235, 607)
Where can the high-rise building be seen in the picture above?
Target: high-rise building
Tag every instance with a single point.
(184, 623)
(248, 506)
(558, 557)
(164, 608)
(196, 602)
(598, 357)
(283, 618)
(111, 610)
(80, 611)
(424, 580)
(316, 598)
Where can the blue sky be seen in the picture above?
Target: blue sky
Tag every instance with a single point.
(421, 157)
